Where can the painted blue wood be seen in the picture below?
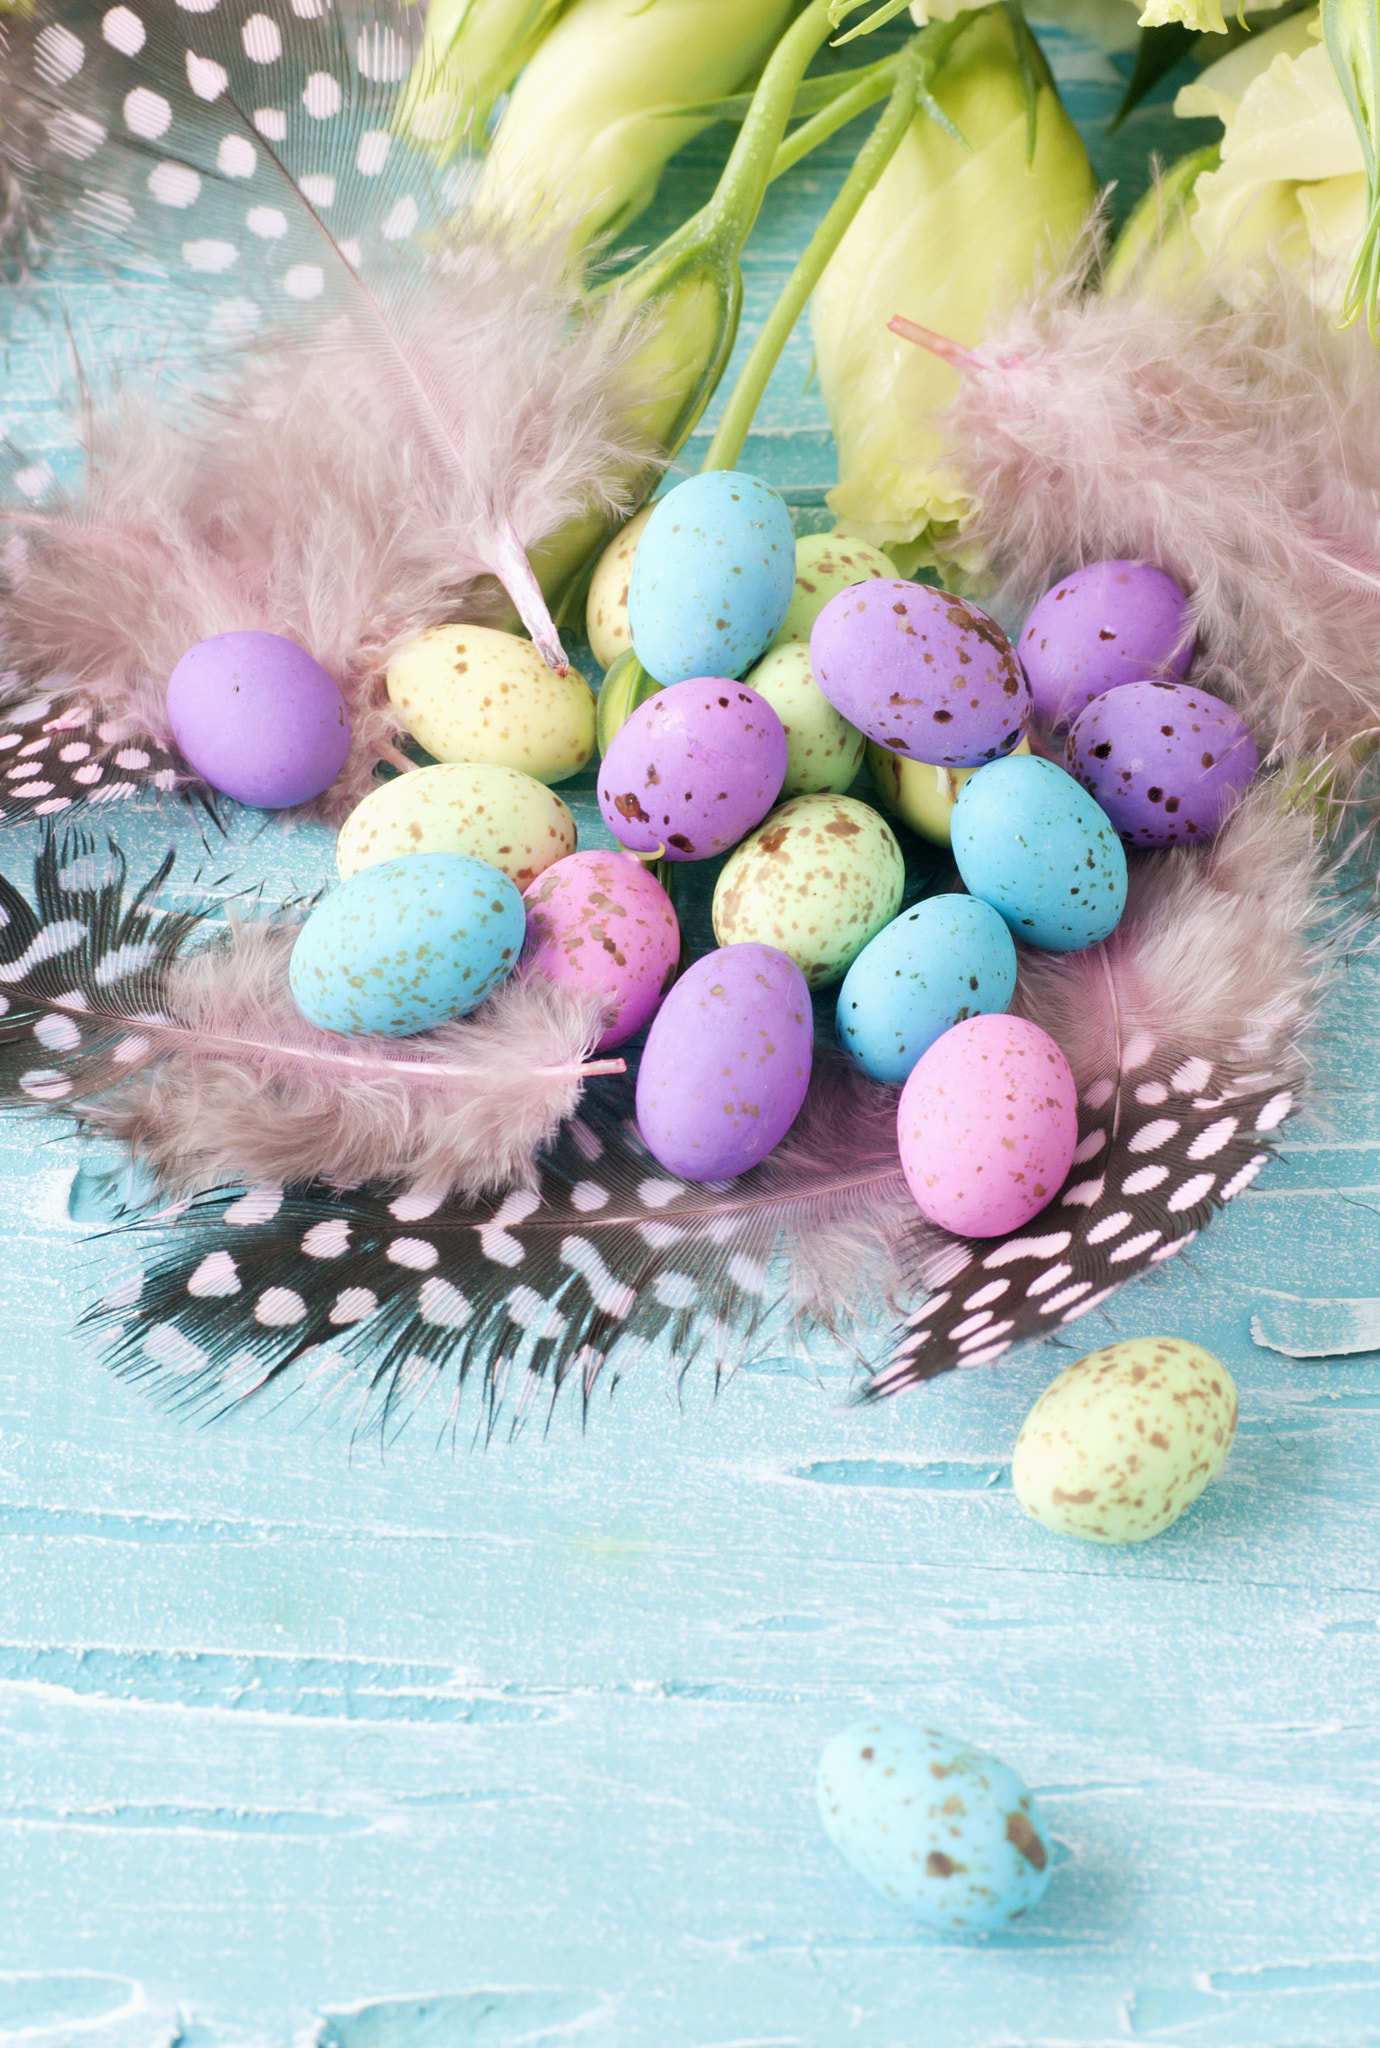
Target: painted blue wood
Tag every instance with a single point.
(308, 1741)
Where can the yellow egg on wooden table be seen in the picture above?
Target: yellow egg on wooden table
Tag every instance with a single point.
(1122, 1442)
(921, 796)
(823, 751)
(495, 814)
(470, 693)
(606, 608)
(818, 878)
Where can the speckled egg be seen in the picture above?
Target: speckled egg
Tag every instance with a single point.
(606, 608)
(1122, 1442)
(948, 958)
(404, 945)
(712, 577)
(1036, 847)
(507, 819)
(1111, 623)
(599, 920)
(943, 1831)
(822, 750)
(725, 1067)
(987, 1125)
(825, 564)
(468, 693)
(692, 769)
(1165, 760)
(625, 687)
(258, 719)
(924, 673)
(921, 795)
(818, 880)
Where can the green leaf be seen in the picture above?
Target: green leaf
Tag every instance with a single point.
(1351, 31)
(1158, 51)
(879, 17)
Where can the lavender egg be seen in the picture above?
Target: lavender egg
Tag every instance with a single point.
(1165, 760)
(726, 1063)
(1108, 624)
(258, 719)
(923, 673)
(693, 770)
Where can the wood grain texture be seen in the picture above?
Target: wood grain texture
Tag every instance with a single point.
(305, 1742)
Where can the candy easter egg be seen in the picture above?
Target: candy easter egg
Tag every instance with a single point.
(817, 880)
(825, 564)
(599, 920)
(941, 1830)
(948, 958)
(606, 608)
(712, 577)
(823, 752)
(510, 820)
(1111, 623)
(987, 1125)
(404, 945)
(692, 769)
(468, 693)
(922, 796)
(1165, 761)
(1035, 846)
(922, 672)
(726, 1064)
(259, 719)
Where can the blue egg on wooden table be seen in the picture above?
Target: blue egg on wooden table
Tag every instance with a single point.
(693, 769)
(1108, 624)
(726, 1063)
(407, 943)
(1030, 842)
(712, 578)
(258, 719)
(922, 672)
(948, 958)
(1166, 761)
(945, 1832)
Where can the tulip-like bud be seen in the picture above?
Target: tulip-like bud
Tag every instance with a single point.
(472, 50)
(949, 234)
(1351, 31)
(592, 121)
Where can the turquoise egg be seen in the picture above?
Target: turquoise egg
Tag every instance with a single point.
(1036, 847)
(712, 578)
(943, 1831)
(407, 943)
(949, 958)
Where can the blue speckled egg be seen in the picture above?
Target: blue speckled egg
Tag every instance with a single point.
(949, 958)
(1166, 761)
(712, 578)
(1036, 847)
(943, 1831)
(407, 943)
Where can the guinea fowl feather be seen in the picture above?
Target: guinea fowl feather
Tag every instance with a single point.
(415, 411)
(1184, 1032)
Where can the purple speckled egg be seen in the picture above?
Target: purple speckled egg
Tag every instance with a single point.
(1165, 760)
(599, 920)
(1111, 623)
(726, 1063)
(923, 673)
(693, 770)
(259, 719)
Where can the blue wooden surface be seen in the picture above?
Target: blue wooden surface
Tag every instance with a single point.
(302, 1742)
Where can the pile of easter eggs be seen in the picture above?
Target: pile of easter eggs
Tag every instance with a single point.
(749, 678)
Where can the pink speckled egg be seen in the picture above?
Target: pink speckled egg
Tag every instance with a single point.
(600, 920)
(987, 1125)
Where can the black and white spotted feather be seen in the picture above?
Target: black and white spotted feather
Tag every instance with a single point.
(1184, 1032)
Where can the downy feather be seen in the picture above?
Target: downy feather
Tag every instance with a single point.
(1184, 1032)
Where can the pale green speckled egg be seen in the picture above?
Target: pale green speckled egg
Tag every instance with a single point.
(496, 814)
(823, 751)
(469, 693)
(941, 1830)
(606, 609)
(825, 564)
(818, 878)
(1122, 1442)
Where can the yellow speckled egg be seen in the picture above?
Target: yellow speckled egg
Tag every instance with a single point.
(1118, 1446)
(496, 814)
(825, 564)
(606, 609)
(468, 693)
(921, 796)
(818, 878)
(823, 751)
